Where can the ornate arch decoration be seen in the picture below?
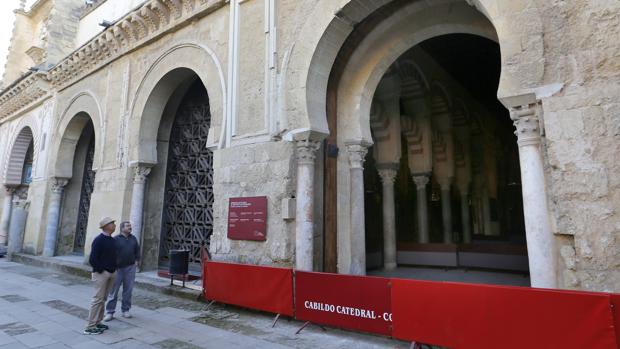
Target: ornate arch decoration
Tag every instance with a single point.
(414, 82)
(316, 50)
(12, 175)
(167, 73)
(82, 108)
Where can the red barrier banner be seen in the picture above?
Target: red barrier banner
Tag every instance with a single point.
(352, 302)
(257, 287)
(615, 302)
(463, 316)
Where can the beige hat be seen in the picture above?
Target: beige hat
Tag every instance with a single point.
(105, 221)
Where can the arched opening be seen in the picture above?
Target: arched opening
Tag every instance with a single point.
(179, 196)
(79, 188)
(447, 152)
(17, 180)
(457, 195)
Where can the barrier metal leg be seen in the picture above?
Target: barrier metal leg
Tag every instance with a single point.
(414, 345)
(303, 326)
(209, 305)
(275, 320)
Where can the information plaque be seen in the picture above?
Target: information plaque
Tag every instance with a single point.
(247, 218)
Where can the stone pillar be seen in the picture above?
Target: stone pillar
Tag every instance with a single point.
(541, 246)
(357, 154)
(136, 214)
(19, 216)
(388, 175)
(53, 216)
(6, 214)
(422, 207)
(446, 209)
(465, 217)
(304, 218)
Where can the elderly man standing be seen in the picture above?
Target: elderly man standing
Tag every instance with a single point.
(103, 260)
(128, 257)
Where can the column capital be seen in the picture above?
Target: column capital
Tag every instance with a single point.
(306, 150)
(527, 124)
(445, 183)
(357, 151)
(9, 189)
(388, 174)
(140, 173)
(420, 180)
(58, 184)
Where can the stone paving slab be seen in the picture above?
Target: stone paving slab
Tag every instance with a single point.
(52, 307)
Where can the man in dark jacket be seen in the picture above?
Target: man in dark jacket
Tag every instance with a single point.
(127, 258)
(103, 260)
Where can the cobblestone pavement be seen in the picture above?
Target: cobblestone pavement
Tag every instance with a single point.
(41, 308)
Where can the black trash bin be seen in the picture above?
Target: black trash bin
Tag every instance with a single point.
(179, 261)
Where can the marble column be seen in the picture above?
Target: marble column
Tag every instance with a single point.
(388, 175)
(136, 213)
(6, 214)
(422, 207)
(304, 217)
(541, 245)
(446, 209)
(53, 216)
(19, 215)
(357, 153)
(465, 220)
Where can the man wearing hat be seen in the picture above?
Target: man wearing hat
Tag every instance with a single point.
(103, 260)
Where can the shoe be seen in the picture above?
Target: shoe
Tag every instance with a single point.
(108, 317)
(102, 327)
(92, 330)
(126, 314)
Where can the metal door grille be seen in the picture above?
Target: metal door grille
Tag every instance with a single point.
(88, 184)
(188, 201)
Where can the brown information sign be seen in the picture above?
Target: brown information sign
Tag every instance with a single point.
(247, 218)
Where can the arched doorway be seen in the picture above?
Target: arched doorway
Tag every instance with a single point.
(178, 209)
(78, 189)
(187, 221)
(457, 199)
(363, 62)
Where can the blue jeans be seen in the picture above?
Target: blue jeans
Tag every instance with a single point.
(124, 276)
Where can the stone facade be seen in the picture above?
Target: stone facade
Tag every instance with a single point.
(266, 65)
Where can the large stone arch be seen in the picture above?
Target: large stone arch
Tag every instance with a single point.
(373, 56)
(18, 146)
(82, 108)
(518, 30)
(165, 75)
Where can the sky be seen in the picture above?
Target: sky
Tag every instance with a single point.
(7, 18)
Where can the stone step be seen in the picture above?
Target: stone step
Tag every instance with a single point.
(147, 281)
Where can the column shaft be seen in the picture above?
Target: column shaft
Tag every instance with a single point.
(540, 241)
(388, 175)
(446, 212)
(465, 221)
(422, 207)
(19, 215)
(6, 214)
(136, 213)
(304, 220)
(53, 217)
(357, 154)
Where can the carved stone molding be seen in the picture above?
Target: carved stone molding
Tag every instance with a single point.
(306, 151)
(23, 93)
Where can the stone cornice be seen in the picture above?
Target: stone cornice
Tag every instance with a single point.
(137, 28)
(23, 94)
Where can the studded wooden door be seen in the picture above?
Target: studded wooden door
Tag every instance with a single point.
(188, 199)
(88, 184)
